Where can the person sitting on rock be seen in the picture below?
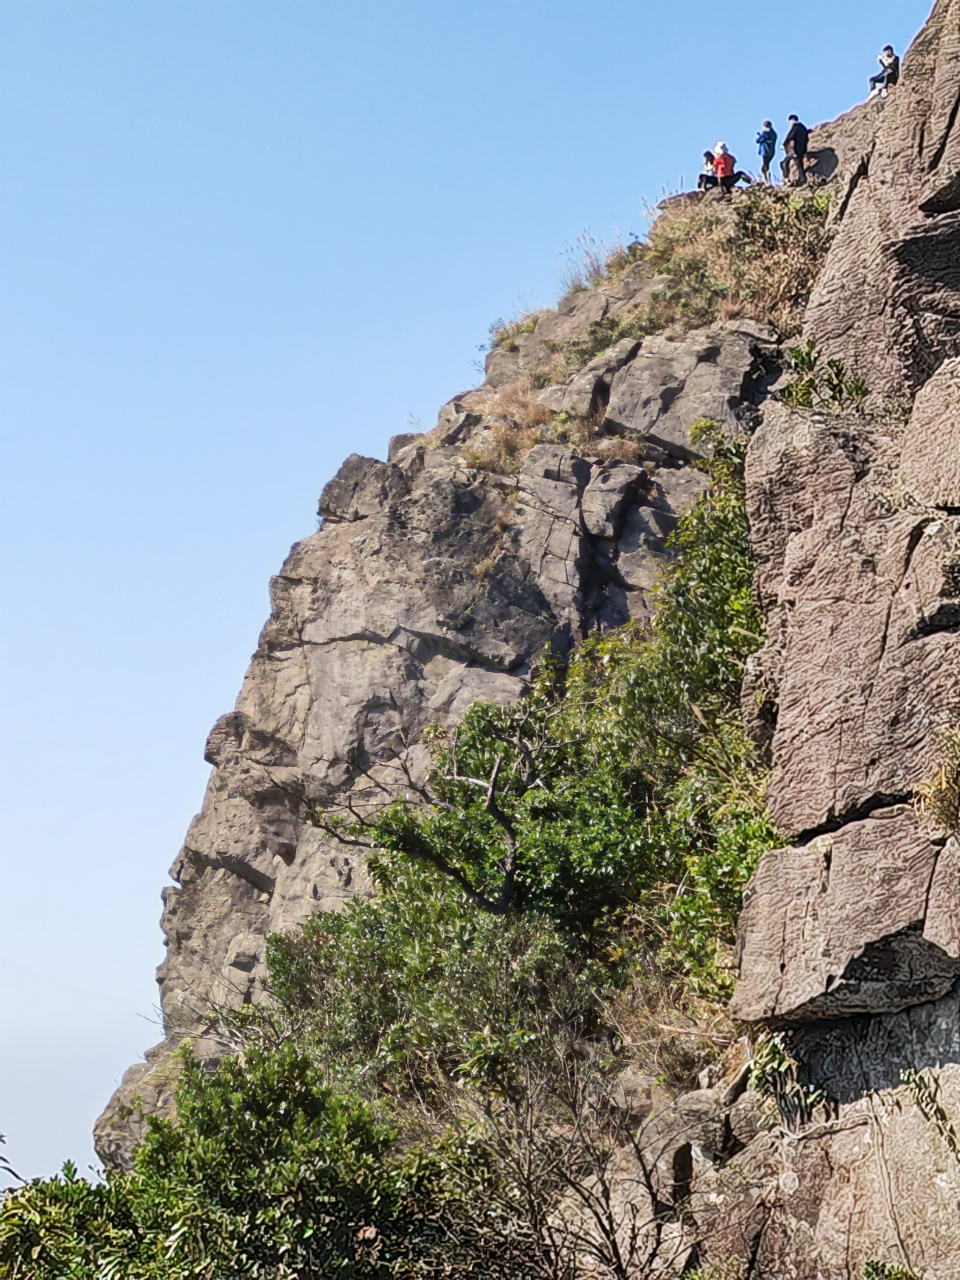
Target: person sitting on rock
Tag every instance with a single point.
(708, 174)
(795, 150)
(725, 167)
(767, 146)
(889, 73)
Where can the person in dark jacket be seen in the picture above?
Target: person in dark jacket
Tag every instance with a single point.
(889, 73)
(795, 150)
(767, 146)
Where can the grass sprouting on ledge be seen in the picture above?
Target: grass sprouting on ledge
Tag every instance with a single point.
(758, 254)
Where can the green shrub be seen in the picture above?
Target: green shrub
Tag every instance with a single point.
(264, 1172)
(826, 384)
(560, 851)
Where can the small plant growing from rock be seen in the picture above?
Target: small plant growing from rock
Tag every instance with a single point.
(886, 1271)
(925, 1087)
(938, 799)
(827, 384)
(773, 1074)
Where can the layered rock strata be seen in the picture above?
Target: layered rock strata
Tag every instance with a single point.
(850, 934)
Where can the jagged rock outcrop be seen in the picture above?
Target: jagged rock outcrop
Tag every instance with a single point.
(430, 584)
(888, 300)
(438, 578)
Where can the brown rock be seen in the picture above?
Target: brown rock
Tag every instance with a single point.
(930, 463)
(888, 298)
(863, 655)
(838, 926)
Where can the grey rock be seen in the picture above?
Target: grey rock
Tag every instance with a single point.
(672, 383)
(361, 488)
(552, 397)
(455, 422)
(589, 391)
(606, 497)
(401, 442)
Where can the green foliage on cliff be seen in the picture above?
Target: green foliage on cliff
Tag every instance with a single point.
(435, 1066)
(265, 1173)
(607, 822)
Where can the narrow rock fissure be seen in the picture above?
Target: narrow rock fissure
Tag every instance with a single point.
(881, 800)
(940, 151)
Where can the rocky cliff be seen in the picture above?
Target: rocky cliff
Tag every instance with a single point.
(440, 575)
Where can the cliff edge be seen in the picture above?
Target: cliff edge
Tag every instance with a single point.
(441, 576)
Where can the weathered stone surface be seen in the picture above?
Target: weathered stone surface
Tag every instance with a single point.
(878, 1184)
(589, 391)
(838, 926)
(607, 496)
(888, 299)
(360, 488)
(672, 383)
(930, 462)
(863, 655)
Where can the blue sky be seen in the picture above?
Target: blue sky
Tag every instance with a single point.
(238, 241)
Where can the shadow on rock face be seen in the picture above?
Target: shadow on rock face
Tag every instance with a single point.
(852, 1057)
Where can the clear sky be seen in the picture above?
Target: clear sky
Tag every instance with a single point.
(240, 239)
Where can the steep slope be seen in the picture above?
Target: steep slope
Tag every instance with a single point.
(432, 583)
(441, 575)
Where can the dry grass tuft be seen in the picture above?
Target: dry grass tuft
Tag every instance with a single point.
(502, 448)
(585, 435)
(516, 422)
(670, 1033)
(938, 799)
(504, 333)
(758, 254)
(517, 403)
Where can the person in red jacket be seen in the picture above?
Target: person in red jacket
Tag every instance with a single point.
(725, 167)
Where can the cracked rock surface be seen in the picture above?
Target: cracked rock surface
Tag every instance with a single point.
(430, 585)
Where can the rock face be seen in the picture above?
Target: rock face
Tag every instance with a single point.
(850, 935)
(430, 584)
(437, 579)
(889, 298)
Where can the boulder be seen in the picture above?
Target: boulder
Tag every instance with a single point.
(608, 495)
(589, 391)
(361, 488)
(674, 382)
(838, 927)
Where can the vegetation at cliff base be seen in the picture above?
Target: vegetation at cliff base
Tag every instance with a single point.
(436, 1069)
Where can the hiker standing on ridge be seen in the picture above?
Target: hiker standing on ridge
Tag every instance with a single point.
(889, 72)
(767, 146)
(725, 167)
(795, 149)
